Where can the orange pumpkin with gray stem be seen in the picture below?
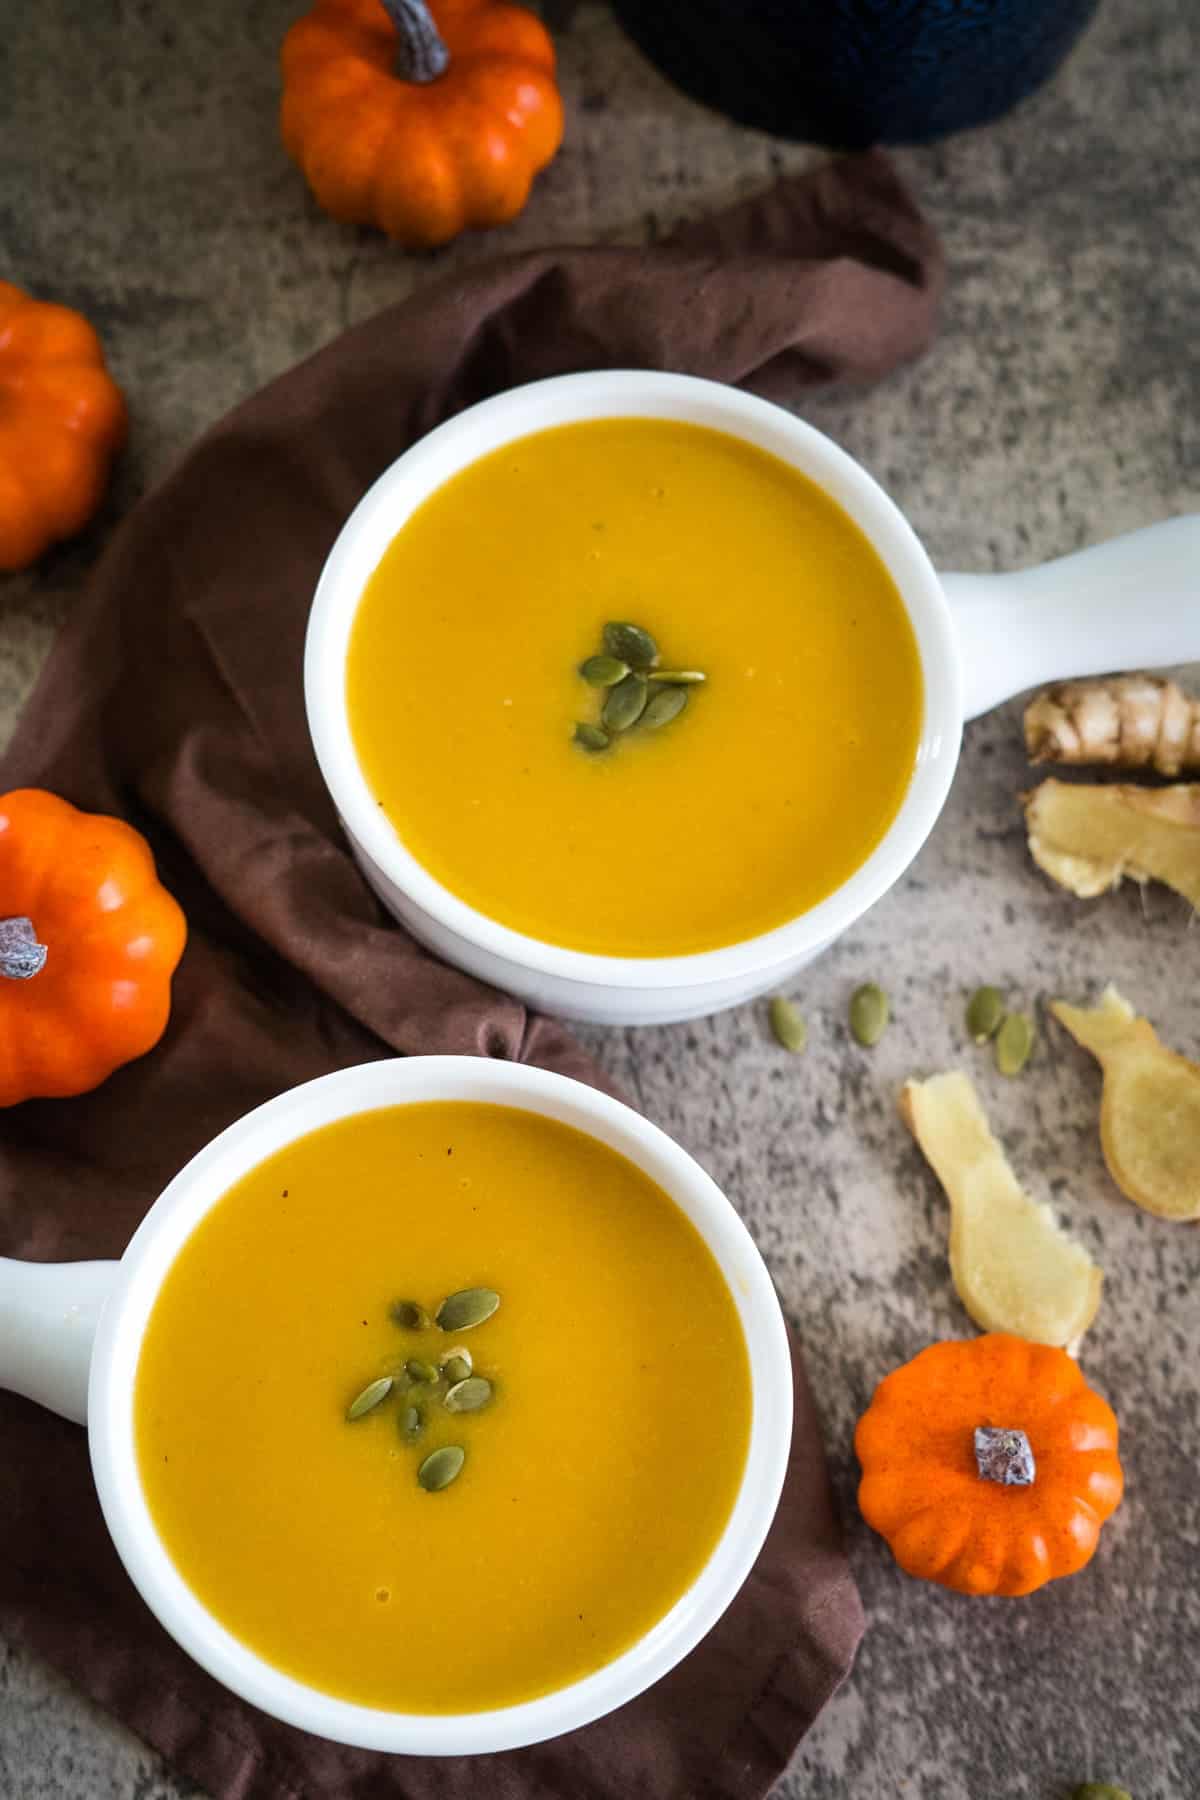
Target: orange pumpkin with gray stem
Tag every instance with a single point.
(989, 1465)
(420, 119)
(89, 941)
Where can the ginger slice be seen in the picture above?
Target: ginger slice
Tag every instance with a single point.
(1149, 1108)
(1013, 1266)
(1087, 838)
(1125, 721)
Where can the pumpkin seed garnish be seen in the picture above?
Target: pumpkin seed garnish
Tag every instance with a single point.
(603, 671)
(590, 737)
(469, 1395)
(412, 1424)
(409, 1316)
(372, 1395)
(417, 1370)
(1014, 1043)
(456, 1364)
(677, 677)
(625, 703)
(985, 1013)
(788, 1025)
(869, 1012)
(467, 1308)
(441, 1467)
(1100, 1790)
(662, 707)
(630, 644)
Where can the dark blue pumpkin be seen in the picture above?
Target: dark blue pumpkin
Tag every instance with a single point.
(849, 73)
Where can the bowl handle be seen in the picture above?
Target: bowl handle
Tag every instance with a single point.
(48, 1318)
(1131, 603)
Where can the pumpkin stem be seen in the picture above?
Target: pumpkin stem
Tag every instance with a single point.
(21, 956)
(1004, 1456)
(421, 55)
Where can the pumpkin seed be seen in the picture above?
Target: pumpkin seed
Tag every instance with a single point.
(676, 677)
(590, 737)
(1100, 1790)
(625, 703)
(603, 671)
(788, 1025)
(372, 1395)
(469, 1395)
(665, 705)
(1014, 1043)
(441, 1467)
(412, 1424)
(409, 1316)
(456, 1364)
(869, 1012)
(417, 1370)
(630, 644)
(985, 1013)
(469, 1307)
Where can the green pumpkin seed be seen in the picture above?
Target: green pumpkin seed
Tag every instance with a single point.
(1100, 1790)
(788, 1025)
(591, 738)
(417, 1370)
(625, 703)
(985, 1014)
(630, 644)
(409, 1316)
(665, 705)
(412, 1424)
(869, 1012)
(603, 671)
(677, 677)
(469, 1395)
(441, 1467)
(456, 1365)
(469, 1307)
(1014, 1043)
(372, 1396)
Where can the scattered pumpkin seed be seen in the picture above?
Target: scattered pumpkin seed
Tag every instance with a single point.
(409, 1316)
(869, 1013)
(456, 1364)
(985, 1013)
(788, 1025)
(1100, 1790)
(630, 644)
(418, 1370)
(590, 737)
(469, 1307)
(665, 705)
(1014, 1043)
(372, 1395)
(603, 671)
(468, 1396)
(412, 1424)
(676, 677)
(441, 1467)
(625, 703)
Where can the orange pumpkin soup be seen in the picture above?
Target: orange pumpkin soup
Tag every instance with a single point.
(775, 781)
(597, 1475)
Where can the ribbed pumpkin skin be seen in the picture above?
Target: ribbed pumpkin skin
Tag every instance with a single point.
(62, 420)
(422, 161)
(921, 1489)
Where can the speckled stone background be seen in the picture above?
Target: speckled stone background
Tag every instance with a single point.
(141, 178)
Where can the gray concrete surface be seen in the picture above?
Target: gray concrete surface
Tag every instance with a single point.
(140, 177)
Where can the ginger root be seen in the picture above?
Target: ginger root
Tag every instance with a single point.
(1126, 721)
(1149, 1108)
(1013, 1266)
(1086, 838)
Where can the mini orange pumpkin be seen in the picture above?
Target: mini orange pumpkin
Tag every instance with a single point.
(89, 941)
(420, 119)
(62, 420)
(989, 1465)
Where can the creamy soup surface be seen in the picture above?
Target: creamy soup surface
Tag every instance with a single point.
(776, 782)
(596, 1482)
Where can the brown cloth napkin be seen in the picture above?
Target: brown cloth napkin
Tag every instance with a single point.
(173, 698)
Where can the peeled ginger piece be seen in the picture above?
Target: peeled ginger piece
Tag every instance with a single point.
(1086, 838)
(1150, 1107)
(1014, 1267)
